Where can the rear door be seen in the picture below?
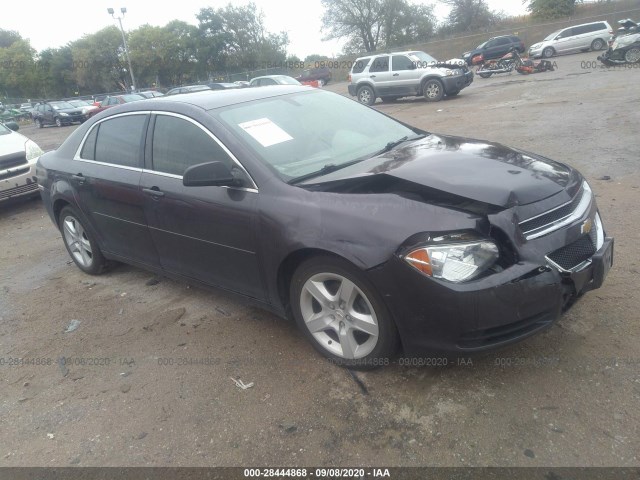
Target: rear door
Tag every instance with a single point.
(106, 182)
(205, 233)
(380, 75)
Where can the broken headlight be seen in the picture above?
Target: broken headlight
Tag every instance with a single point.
(455, 258)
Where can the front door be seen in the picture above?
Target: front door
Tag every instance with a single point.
(205, 233)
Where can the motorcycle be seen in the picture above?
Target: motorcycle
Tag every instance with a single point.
(513, 61)
(624, 48)
(504, 64)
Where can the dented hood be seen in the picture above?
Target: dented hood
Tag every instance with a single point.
(477, 170)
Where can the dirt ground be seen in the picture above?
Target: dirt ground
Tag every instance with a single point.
(148, 375)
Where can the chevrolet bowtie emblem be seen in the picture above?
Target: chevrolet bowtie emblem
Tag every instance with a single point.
(586, 226)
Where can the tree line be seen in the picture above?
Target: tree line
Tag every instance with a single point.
(227, 40)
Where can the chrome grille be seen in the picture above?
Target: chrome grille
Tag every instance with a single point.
(558, 217)
(13, 160)
(14, 173)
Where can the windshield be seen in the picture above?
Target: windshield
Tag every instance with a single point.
(284, 80)
(553, 35)
(79, 103)
(61, 105)
(301, 133)
(423, 57)
(481, 45)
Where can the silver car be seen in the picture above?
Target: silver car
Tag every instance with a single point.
(594, 36)
(405, 74)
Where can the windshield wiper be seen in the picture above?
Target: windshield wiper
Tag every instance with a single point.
(391, 145)
(330, 167)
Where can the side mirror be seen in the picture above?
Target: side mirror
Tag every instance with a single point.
(12, 126)
(210, 174)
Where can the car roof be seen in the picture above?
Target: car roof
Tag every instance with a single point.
(211, 99)
(269, 76)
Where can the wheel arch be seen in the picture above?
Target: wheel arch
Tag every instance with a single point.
(366, 84)
(288, 266)
(426, 78)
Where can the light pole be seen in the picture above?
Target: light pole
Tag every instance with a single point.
(123, 10)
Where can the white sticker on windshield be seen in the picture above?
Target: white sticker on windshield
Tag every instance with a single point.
(265, 131)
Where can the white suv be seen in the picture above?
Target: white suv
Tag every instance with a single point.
(404, 74)
(18, 156)
(583, 37)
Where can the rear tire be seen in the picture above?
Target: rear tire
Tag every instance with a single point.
(341, 314)
(38, 123)
(433, 90)
(366, 95)
(82, 247)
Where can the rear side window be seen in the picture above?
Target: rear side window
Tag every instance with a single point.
(360, 65)
(380, 64)
(179, 144)
(118, 141)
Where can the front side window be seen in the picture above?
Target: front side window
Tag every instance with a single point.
(119, 140)
(400, 62)
(179, 144)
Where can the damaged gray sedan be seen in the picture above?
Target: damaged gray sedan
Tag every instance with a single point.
(373, 235)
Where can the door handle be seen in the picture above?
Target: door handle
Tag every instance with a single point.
(78, 178)
(154, 192)
(372, 76)
(396, 74)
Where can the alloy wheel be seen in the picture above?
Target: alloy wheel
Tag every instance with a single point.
(339, 315)
(77, 241)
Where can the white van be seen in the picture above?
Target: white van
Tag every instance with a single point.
(583, 37)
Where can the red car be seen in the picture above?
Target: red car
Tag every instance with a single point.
(113, 100)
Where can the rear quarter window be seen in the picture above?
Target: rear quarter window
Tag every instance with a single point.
(360, 65)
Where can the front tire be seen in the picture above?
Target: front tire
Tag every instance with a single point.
(341, 314)
(548, 52)
(80, 244)
(366, 95)
(38, 123)
(597, 44)
(58, 122)
(632, 55)
(433, 90)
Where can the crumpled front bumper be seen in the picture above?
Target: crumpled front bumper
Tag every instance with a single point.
(442, 318)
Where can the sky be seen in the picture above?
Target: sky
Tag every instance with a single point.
(50, 24)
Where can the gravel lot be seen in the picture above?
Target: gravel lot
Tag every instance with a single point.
(148, 381)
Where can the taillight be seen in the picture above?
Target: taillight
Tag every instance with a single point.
(349, 78)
